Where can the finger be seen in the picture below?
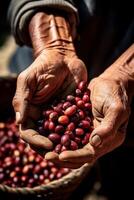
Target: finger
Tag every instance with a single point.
(115, 116)
(32, 137)
(22, 97)
(54, 157)
(86, 154)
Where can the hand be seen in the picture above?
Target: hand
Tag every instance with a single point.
(111, 95)
(111, 112)
(56, 70)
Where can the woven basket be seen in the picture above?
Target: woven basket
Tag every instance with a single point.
(56, 190)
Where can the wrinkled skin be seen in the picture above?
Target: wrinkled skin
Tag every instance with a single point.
(56, 71)
(111, 96)
(111, 112)
(50, 74)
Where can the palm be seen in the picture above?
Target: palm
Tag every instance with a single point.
(50, 74)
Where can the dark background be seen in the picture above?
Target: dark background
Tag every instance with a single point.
(114, 172)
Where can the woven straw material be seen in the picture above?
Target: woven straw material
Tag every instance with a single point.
(55, 190)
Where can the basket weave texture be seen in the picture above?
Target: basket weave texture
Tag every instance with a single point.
(56, 190)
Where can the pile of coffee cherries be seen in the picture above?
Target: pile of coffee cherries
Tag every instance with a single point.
(21, 166)
(68, 123)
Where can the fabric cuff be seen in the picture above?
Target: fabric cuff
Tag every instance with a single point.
(21, 18)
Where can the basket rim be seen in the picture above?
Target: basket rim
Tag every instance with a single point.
(62, 182)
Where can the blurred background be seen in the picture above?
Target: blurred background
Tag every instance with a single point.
(111, 178)
(7, 44)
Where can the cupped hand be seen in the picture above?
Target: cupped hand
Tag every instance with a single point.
(110, 107)
(52, 73)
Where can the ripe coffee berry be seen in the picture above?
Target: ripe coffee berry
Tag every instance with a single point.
(68, 123)
(22, 167)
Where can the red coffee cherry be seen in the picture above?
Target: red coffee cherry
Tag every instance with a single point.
(79, 131)
(65, 140)
(54, 137)
(71, 110)
(53, 116)
(73, 145)
(70, 119)
(59, 129)
(63, 119)
(82, 85)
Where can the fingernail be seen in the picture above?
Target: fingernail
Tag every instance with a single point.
(95, 140)
(17, 117)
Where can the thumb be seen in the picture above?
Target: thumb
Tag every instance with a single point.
(108, 126)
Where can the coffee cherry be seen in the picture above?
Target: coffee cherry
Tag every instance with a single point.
(70, 119)
(82, 85)
(54, 170)
(54, 137)
(65, 140)
(63, 119)
(25, 168)
(73, 145)
(59, 129)
(51, 176)
(70, 111)
(51, 126)
(80, 104)
(79, 131)
(48, 112)
(24, 178)
(58, 148)
(84, 124)
(67, 123)
(81, 114)
(78, 92)
(71, 126)
(70, 98)
(88, 106)
(41, 178)
(66, 105)
(58, 175)
(85, 98)
(43, 164)
(77, 140)
(53, 116)
(70, 134)
(46, 173)
(46, 125)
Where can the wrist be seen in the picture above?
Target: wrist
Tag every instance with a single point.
(50, 31)
(122, 70)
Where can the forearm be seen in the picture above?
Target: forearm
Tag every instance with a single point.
(21, 12)
(123, 70)
(50, 30)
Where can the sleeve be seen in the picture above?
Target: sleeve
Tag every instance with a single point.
(21, 11)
